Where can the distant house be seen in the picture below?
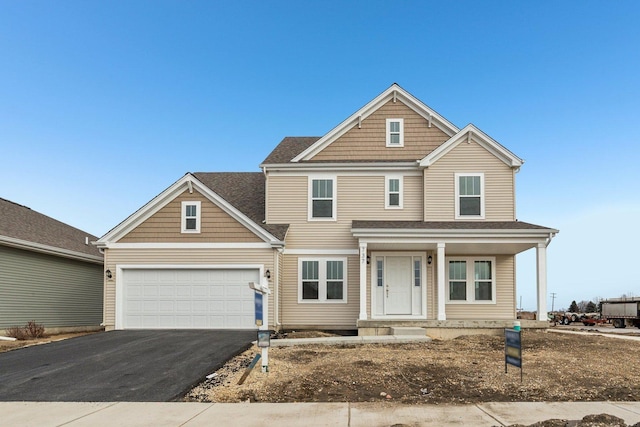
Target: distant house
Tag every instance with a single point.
(396, 217)
(49, 272)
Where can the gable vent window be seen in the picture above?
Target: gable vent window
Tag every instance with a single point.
(190, 217)
(395, 132)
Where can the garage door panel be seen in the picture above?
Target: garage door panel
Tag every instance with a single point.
(190, 298)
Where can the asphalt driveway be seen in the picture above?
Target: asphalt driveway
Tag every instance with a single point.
(133, 366)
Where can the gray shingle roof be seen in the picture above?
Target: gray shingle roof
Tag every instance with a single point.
(288, 148)
(448, 225)
(20, 222)
(246, 192)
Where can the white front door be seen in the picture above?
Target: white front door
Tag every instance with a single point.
(398, 289)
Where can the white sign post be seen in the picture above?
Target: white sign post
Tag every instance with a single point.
(261, 312)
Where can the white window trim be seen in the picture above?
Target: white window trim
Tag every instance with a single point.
(334, 214)
(322, 281)
(388, 133)
(400, 189)
(471, 280)
(482, 193)
(183, 217)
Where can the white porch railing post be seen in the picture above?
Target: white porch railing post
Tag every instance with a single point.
(541, 279)
(441, 288)
(363, 282)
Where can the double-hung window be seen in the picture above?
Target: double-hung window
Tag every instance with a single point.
(393, 191)
(469, 195)
(395, 132)
(322, 280)
(471, 280)
(322, 200)
(190, 217)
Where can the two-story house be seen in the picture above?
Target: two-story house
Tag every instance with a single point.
(394, 217)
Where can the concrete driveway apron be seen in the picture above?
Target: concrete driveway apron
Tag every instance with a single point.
(116, 366)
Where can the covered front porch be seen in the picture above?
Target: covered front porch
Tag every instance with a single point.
(445, 275)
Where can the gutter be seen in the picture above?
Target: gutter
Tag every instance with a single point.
(49, 250)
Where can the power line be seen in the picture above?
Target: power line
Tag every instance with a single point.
(553, 300)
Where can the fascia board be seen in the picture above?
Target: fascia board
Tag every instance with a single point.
(235, 213)
(347, 166)
(364, 112)
(147, 210)
(481, 138)
(465, 234)
(167, 196)
(49, 250)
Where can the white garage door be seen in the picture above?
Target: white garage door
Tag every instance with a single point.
(188, 299)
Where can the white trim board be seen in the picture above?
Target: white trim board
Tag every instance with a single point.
(186, 182)
(395, 93)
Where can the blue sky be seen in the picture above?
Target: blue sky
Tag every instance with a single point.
(105, 104)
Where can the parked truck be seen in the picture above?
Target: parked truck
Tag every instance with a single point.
(622, 312)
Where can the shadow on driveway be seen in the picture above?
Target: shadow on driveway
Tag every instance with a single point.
(133, 366)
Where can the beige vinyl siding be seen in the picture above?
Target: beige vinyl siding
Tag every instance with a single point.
(50, 290)
(358, 197)
(504, 308)
(318, 315)
(165, 225)
(439, 183)
(114, 257)
(369, 141)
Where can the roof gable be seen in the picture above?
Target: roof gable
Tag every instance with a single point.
(25, 228)
(472, 133)
(393, 93)
(239, 189)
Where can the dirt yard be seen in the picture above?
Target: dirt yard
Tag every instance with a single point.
(557, 367)
(12, 345)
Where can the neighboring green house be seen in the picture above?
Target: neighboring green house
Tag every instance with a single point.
(49, 272)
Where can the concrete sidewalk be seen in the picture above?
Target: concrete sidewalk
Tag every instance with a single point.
(174, 414)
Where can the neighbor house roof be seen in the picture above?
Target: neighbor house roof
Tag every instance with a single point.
(289, 148)
(25, 228)
(246, 192)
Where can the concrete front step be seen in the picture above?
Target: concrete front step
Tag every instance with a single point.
(407, 331)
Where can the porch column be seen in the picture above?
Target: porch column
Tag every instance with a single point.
(541, 276)
(441, 288)
(363, 281)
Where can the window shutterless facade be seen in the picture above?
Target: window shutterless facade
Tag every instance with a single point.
(322, 200)
(395, 132)
(469, 195)
(393, 192)
(190, 217)
(322, 280)
(471, 280)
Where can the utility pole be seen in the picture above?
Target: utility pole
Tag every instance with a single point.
(553, 299)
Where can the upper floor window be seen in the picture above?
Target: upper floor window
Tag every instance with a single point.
(471, 280)
(393, 191)
(322, 280)
(395, 132)
(190, 217)
(469, 195)
(322, 203)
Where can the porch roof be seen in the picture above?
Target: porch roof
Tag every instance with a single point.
(460, 237)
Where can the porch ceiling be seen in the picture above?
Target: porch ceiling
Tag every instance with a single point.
(455, 248)
(460, 238)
